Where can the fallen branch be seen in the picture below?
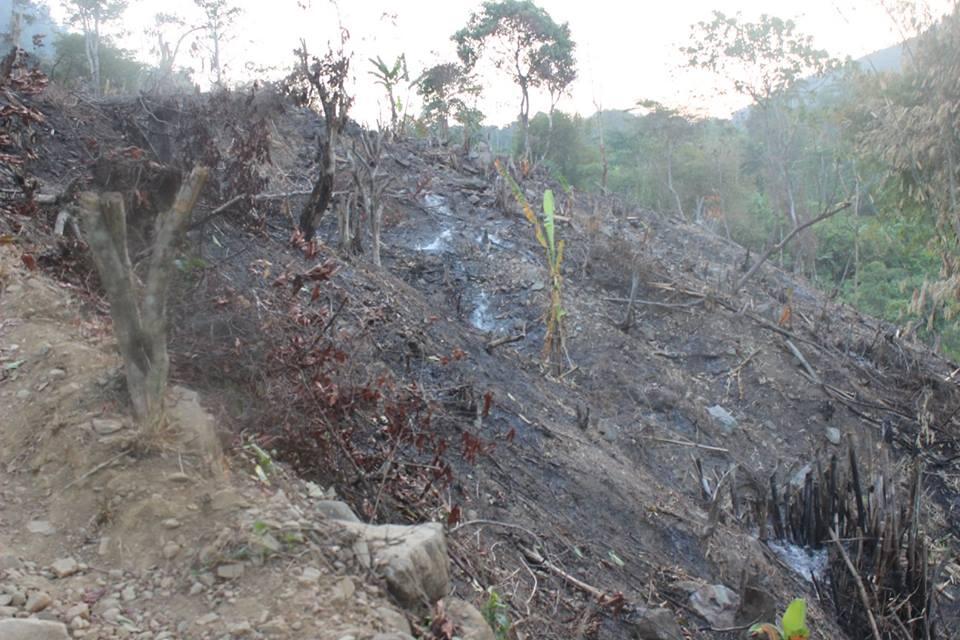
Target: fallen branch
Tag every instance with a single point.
(260, 197)
(493, 344)
(684, 443)
(494, 523)
(864, 598)
(766, 254)
(539, 560)
(102, 465)
(803, 361)
(654, 303)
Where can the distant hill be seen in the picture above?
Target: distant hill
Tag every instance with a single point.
(889, 60)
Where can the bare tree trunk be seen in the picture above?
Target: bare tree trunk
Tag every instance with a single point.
(856, 233)
(371, 184)
(91, 39)
(376, 220)
(215, 62)
(525, 122)
(139, 320)
(322, 192)
(676, 196)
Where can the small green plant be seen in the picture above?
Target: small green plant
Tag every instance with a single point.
(554, 346)
(793, 624)
(262, 461)
(495, 612)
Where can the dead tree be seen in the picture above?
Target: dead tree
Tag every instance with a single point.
(348, 224)
(371, 182)
(139, 311)
(324, 79)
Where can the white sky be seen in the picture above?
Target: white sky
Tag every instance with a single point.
(626, 51)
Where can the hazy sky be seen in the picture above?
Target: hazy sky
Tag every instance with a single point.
(626, 51)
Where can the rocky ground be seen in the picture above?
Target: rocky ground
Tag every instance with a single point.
(99, 541)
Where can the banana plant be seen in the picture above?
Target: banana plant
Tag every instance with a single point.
(554, 343)
(389, 76)
(793, 624)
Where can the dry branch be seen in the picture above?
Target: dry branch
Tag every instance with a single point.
(766, 254)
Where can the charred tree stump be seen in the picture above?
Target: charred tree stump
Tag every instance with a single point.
(139, 311)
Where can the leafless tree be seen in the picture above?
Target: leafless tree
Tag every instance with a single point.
(323, 79)
(366, 160)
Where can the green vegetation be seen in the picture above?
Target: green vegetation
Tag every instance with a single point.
(793, 624)
(817, 133)
(496, 613)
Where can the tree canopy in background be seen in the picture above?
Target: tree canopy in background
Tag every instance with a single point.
(525, 43)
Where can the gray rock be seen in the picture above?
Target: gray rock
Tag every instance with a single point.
(230, 571)
(80, 610)
(57, 374)
(469, 621)
(310, 575)
(106, 427)
(269, 542)
(654, 624)
(717, 604)
(170, 550)
(64, 567)
(723, 418)
(393, 621)
(833, 435)
(412, 559)
(8, 561)
(343, 590)
(37, 601)
(41, 527)
(32, 630)
(336, 510)
(393, 635)
(240, 629)
(209, 618)
(5, 599)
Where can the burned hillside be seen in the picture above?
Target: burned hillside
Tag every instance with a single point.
(712, 447)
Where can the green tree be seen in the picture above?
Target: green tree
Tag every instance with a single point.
(766, 62)
(446, 90)
(912, 128)
(93, 16)
(525, 42)
(118, 67)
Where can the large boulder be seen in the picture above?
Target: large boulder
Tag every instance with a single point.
(28, 629)
(412, 559)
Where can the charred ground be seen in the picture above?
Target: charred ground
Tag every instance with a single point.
(641, 474)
